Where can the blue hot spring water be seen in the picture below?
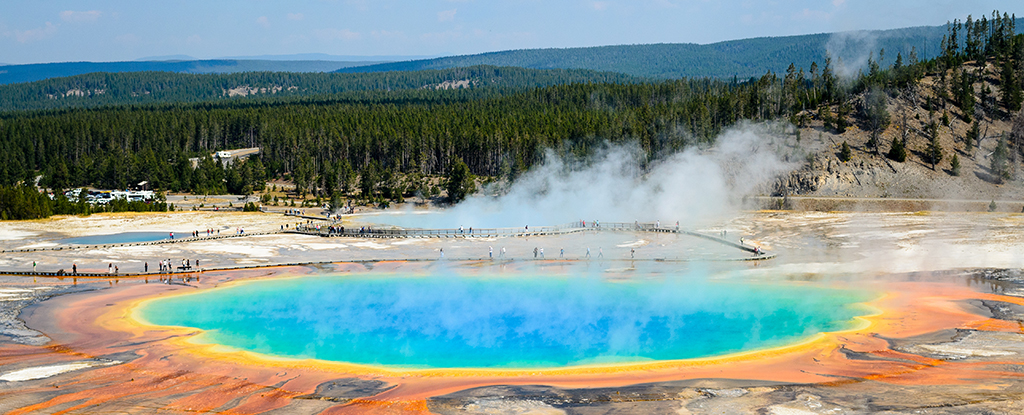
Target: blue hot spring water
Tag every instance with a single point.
(121, 238)
(505, 322)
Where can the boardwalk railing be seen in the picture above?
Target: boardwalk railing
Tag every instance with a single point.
(177, 240)
(573, 227)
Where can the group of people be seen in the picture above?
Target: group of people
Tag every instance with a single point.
(166, 266)
(195, 234)
(490, 252)
(538, 252)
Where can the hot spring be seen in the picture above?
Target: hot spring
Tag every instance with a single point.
(119, 238)
(525, 320)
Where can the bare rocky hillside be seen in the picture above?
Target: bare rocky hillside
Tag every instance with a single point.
(869, 174)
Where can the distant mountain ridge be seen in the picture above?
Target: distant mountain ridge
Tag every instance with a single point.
(12, 74)
(328, 57)
(740, 58)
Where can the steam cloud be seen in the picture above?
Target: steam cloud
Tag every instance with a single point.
(691, 187)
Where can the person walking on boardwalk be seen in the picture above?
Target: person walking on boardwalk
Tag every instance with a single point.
(503, 252)
(535, 252)
(542, 253)
(110, 268)
(490, 252)
(33, 266)
(442, 253)
(588, 252)
(561, 252)
(600, 252)
(74, 268)
(632, 252)
(145, 267)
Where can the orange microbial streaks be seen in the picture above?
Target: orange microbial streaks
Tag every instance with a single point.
(177, 375)
(377, 407)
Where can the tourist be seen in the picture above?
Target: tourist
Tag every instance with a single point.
(561, 252)
(534, 252)
(632, 252)
(542, 253)
(600, 252)
(588, 252)
(490, 252)
(116, 270)
(74, 268)
(145, 267)
(110, 268)
(442, 253)
(172, 235)
(33, 266)
(503, 252)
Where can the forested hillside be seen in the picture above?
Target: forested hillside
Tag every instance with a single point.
(379, 145)
(11, 74)
(737, 58)
(107, 89)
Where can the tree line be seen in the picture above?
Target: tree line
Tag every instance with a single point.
(135, 88)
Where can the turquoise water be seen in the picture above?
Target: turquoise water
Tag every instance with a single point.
(120, 238)
(505, 322)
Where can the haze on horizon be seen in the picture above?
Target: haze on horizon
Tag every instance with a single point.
(107, 30)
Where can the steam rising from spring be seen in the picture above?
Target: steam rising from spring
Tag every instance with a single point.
(693, 186)
(850, 51)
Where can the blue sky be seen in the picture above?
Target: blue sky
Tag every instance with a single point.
(109, 30)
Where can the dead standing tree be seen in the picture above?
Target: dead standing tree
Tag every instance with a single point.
(1017, 134)
(905, 104)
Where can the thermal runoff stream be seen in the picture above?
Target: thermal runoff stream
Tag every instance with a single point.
(518, 321)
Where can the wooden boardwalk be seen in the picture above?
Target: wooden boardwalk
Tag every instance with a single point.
(329, 231)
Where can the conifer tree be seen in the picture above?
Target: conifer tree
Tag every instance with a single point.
(897, 152)
(933, 153)
(972, 136)
(998, 162)
(460, 182)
